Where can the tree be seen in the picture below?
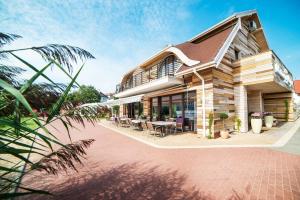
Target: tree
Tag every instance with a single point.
(19, 140)
(85, 94)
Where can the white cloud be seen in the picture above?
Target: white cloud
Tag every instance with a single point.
(120, 34)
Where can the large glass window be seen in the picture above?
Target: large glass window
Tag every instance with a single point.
(165, 107)
(138, 109)
(176, 107)
(154, 108)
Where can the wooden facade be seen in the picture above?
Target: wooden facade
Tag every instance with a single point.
(249, 78)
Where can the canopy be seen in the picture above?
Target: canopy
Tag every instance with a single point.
(117, 102)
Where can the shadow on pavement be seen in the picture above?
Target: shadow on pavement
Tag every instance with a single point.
(124, 182)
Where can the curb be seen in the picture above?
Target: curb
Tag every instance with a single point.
(279, 143)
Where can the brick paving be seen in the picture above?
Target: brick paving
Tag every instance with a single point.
(118, 167)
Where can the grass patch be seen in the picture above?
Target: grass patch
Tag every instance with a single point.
(27, 121)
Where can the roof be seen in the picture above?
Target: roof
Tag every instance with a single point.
(297, 86)
(209, 46)
(206, 50)
(221, 23)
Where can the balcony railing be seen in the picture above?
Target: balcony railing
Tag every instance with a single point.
(165, 68)
(282, 75)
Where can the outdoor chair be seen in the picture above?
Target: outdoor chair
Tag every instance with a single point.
(129, 122)
(123, 123)
(179, 125)
(152, 129)
(144, 126)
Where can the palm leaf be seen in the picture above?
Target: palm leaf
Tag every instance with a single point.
(6, 38)
(64, 54)
(36, 70)
(35, 76)
(56, 108)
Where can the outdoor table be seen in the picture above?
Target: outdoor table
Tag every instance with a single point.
(163, 124)
(138, 122)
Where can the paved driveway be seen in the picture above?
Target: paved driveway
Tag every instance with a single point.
(118, 167)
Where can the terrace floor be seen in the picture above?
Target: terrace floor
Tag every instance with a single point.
(118, 167)
(190, 140)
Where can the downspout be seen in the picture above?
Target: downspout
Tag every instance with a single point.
(203, 102)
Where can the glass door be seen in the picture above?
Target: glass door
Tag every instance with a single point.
(190, 112)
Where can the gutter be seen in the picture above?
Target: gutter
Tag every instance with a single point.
(196, 67)
(203, 102)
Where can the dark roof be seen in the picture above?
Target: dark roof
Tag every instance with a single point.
(206, 49)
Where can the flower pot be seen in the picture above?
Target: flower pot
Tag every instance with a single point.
(256, 125)
(224, 134)
(269, 121)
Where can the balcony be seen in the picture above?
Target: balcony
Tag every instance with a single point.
(157, 84)
(158, 76)
(264, 72)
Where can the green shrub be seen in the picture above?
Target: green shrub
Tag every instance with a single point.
(223, 117)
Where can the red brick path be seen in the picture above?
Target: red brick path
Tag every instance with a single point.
(118, 167)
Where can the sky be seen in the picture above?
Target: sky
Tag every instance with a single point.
(122, 34)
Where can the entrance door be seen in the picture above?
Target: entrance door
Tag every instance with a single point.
(190, 113)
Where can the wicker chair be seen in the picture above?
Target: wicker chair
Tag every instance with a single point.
(144, 126)
(152, 129)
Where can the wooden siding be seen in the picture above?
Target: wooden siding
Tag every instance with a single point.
(255, 101)
(223, 96)
(228, 94)
(146, 106)
(275, 103)
(255, 69)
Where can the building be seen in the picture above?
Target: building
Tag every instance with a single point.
(227, 68)
(104, 97)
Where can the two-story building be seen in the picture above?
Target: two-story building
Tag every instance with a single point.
(227, 68)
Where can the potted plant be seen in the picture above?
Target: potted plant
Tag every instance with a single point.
(237, 124)
(256, 122)
(224, 133)
(268, 117)
(210, 123)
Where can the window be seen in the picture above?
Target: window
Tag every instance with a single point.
(236, 54)
(154, 108)
(167, 66)
(176, 106)
(165, 110)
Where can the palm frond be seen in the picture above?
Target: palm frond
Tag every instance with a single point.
(64, 158)
(63, 54)
(80, 114)
(10, 73)
(6, 38)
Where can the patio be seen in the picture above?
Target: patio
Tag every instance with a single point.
(190, 139)
(118, 167)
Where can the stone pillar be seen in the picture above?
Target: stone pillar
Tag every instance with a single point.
(241, 106)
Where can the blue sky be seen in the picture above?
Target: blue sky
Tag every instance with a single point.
(121, 34)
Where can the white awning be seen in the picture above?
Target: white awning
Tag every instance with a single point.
(117, 102)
